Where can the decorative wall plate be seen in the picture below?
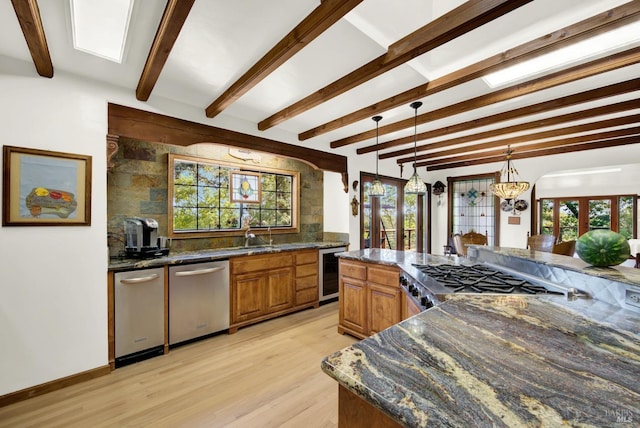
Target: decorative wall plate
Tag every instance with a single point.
(506, 206)
(521, 205)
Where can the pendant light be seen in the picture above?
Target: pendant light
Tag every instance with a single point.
(509, 190)
(377, 189)
(415, 185)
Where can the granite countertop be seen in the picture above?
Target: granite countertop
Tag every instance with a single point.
(511, 360)
(217, 254)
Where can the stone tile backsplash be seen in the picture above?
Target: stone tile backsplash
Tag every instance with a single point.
(137, 187)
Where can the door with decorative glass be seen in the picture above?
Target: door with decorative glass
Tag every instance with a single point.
(472, 206)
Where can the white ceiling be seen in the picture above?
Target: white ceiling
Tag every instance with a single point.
(221, 39)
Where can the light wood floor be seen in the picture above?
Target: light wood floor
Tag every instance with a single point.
(266, 375)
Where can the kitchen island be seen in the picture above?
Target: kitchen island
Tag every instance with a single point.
(497, 360)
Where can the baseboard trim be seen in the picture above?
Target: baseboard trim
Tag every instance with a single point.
(53, 385)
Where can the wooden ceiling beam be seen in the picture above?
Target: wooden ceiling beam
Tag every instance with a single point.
(598, 24)
(521, 148)
(555, 120)
(174, 16)
(575, 129)
(157, 128)
(581, 71)
(323, 17)
(466, 17)
(28, 15)
(545, 152)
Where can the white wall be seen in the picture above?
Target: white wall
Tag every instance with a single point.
(336, 219)
(53, 287)
(53, 293)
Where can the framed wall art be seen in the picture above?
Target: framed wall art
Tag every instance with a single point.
(45, 188)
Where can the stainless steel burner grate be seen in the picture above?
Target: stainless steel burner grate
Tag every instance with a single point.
(480, 279)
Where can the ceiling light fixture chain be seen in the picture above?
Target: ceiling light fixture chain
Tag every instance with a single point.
(415, 185)
(377, 189)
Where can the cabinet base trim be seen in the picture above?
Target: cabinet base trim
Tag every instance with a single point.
(53, 385)
(234, 327)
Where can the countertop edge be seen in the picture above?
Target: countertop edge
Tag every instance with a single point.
(217, 254)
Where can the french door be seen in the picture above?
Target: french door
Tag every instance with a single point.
(394, 221)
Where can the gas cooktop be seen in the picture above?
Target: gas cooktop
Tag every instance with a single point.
(480, 279)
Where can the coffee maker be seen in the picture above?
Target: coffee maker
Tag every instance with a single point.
(141, 238)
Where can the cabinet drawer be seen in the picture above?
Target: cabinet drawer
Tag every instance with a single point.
(353, 270)
(384, 276)
(258, 263)
(307, 282)
(306, 296)
(304, 257)
(306, 270)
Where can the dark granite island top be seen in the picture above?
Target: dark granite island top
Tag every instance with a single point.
(504, 360)
(512, 361)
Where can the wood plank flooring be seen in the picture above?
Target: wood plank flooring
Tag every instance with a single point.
(265, 375)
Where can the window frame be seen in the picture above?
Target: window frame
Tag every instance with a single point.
(583, 216)
(211, 233)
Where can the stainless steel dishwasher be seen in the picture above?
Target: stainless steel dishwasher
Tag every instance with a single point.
(139, 314)
(198, 300)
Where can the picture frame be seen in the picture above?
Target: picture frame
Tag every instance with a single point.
(245, 187)
(45, 188)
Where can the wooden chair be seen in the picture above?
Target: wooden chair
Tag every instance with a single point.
(460, 242)
(542, 243)
(566, 248)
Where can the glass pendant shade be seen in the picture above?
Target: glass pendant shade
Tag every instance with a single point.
(415, 185)
(376, 189)
(509, 189)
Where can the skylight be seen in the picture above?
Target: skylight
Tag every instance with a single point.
(591, 47)
(100, 27)
(585, 172)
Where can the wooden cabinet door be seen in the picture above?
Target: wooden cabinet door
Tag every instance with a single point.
(248, 296)
(353, 305)
(279, 289)
(384, 307)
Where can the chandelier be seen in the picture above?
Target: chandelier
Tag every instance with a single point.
(415, 185)
(509, 189)
(377, 189)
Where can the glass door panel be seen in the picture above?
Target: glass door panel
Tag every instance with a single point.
(599, 214)
(546, 227)
(389, 217)
(410, 222)
(365, 215)
(568, 215)
(625, 216)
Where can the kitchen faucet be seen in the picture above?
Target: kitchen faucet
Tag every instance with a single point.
(248, 236)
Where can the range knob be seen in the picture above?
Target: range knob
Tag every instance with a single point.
(404, 280)
(426, 302)
(415, 290)
(411, 288)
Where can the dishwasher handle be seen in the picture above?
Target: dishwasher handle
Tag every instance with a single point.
(140, 279)
(200, 271)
